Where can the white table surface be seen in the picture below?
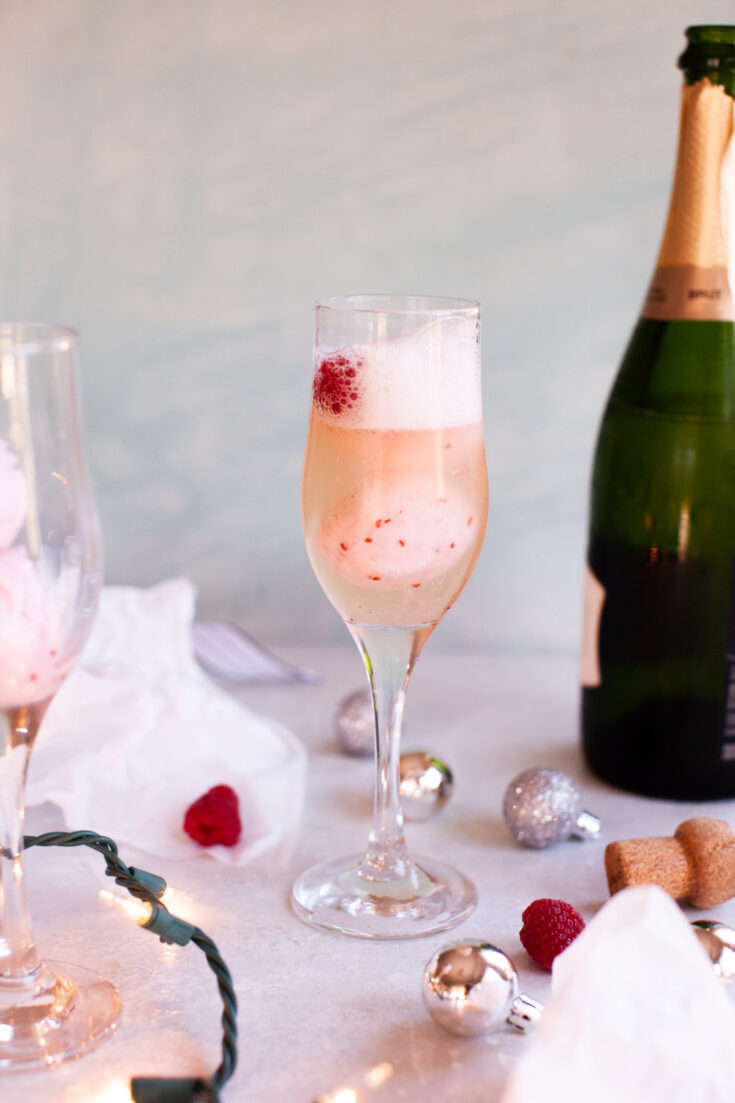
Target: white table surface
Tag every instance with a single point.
(319, 1011)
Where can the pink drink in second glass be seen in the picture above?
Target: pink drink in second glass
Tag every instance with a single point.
(31, 636)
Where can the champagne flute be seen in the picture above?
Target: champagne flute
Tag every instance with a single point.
(50, 576)
(394, 507)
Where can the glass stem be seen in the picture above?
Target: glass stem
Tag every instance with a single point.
(389, 655)
(19, 959)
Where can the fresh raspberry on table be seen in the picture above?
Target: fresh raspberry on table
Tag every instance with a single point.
(214, 817)
(549, 926)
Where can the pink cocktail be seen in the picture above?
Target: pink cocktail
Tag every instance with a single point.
(394, 507)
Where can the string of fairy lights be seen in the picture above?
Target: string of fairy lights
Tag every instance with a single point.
(149, 888)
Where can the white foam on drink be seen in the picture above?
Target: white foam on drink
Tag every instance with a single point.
(428, 379)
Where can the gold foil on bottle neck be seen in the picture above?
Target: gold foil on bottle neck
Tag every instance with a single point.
(692, 275)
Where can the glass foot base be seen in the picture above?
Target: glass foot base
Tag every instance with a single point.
(66, 1012)
(334, 895)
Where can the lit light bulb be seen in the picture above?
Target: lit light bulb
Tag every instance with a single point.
(117, 1091)
(139, 911)
(176, 900)
(379, 1074)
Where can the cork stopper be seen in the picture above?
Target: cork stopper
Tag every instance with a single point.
(697, 864)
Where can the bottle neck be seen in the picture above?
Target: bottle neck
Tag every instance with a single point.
(692, 277)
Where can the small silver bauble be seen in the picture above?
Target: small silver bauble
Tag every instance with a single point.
(472, 987)
(355, 723)
(425, 784)
(718, 941)
(543, 807)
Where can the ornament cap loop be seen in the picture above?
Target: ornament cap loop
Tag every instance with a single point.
(718, 942)
(587, 826)
(524, 1013)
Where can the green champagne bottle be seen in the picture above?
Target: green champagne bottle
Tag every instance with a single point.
(658, 653)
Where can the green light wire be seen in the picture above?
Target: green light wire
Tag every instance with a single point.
(149, 887)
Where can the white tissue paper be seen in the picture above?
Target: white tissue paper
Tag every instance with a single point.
(636, 1014)
(139, 732)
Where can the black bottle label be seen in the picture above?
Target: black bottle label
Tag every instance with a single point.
(658, 669)
(655, 616)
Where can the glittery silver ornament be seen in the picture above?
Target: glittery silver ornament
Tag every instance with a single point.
(472, 987)
(355, 723)
(425, 784)
(718, 941)
(543, 807)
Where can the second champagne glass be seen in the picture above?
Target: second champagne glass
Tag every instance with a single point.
(50, 576)
(394, 507)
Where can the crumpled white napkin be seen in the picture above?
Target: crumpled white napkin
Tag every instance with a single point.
(636, 1013)
(139, 732)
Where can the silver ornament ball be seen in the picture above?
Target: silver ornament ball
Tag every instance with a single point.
(425, 786)
(471, 987)
(718, 941)
(355, 723)
(542, 807)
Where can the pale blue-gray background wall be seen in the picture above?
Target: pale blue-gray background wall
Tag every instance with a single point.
(180, 179)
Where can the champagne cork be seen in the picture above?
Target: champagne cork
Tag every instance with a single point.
(697, 864)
